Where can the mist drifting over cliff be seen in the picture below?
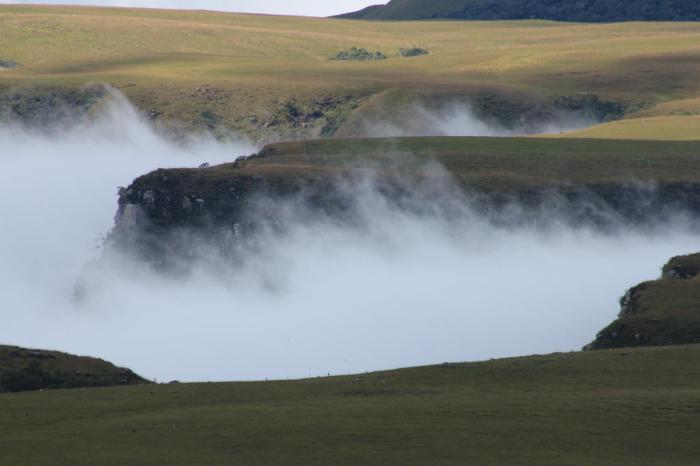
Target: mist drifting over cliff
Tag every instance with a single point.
(401, 288)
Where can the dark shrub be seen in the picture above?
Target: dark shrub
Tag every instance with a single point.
(355, 53)
(31, 377)
(413, 52)
(8, 64)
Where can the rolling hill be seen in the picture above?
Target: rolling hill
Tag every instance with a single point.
(270, 78)
(24, 369)
(596, 11)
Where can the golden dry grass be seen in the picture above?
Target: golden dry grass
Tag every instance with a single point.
(667, 128)
(162, 56)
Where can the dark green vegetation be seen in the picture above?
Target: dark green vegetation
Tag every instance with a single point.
(8, 64)
(24, 370)
(593, 11)
(359, 54)
(638, 406)
(362, 54)
(661, 312)
(413, 52)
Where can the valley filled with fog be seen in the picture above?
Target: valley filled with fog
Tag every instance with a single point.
(402, 288)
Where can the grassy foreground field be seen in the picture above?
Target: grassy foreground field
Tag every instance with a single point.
(619, 407)
(242, 72)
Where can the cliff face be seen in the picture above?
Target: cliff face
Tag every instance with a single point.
(660, 312)
(168, 216)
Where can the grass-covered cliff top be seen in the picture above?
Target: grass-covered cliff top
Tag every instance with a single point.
(500, 164)
(660, 312)
(498, 167)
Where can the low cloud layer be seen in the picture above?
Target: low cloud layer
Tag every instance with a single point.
(402, 289)
(458, 119)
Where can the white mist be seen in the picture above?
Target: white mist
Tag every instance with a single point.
(407, 290)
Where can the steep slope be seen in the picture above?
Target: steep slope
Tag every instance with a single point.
(562, 10)
(26, 370)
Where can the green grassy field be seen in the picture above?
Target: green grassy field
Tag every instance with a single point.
(619, 407)
(244, 68)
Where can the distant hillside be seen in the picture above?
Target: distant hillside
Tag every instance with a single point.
(593, 11)
(270, 78)
(24, 369)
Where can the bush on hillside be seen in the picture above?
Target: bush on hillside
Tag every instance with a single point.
(360, 54)
(8, 64)
(413, 52)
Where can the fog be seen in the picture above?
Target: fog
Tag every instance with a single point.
(402, 288)
(458, 119)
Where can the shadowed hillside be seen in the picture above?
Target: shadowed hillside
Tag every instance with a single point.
(593, 11)
(26, 370)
